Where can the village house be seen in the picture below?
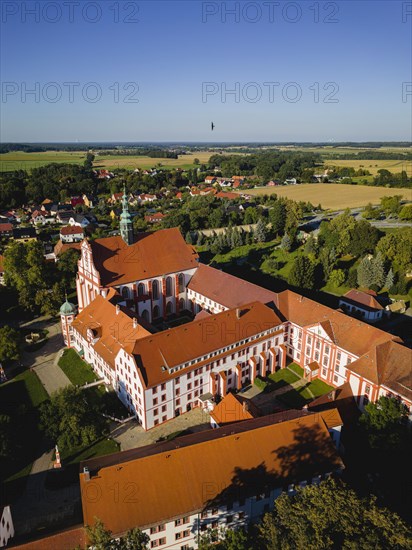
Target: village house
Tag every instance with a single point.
(363, 304)
(6, 230)
(24, 234)
(154, 218)
(71, 234)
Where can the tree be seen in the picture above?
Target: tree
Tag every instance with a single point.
(302, 273)
(366, 274)
(390, 279)
(188, 238)
(330, 516)
(337, 277)
(391, 205)
(406, 212)
(383, 423)
(67, 266)
(277, 217)
(286, 243)
(311, 246)
(260, 231)
(50, 300)
(101, 538)
(327, 258)
(9, 344)
(363, 238)
(72, 418)
(196, 161)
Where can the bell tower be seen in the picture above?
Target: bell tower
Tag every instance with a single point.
(126, 225)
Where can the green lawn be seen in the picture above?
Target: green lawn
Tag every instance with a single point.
(318, 387)
(247, 252)
(100, 447)
(297, 398)
(76, 370)
(282, 378)
(19, 400)
(296, 369)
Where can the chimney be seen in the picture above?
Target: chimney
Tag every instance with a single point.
(237, 313)
(86, 473)
(134, 322)
(117, 309)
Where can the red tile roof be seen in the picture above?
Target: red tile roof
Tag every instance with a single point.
(226, 289)
(71, 230)
(363, 299)
(226, 195)
(65, 540)
(349, 333)
(388, 364)
(60, 247)
(185, 343)
(234, 408)
(153, 255)
(101, 315)
(230, 466)
(340, 398)
(5, 227)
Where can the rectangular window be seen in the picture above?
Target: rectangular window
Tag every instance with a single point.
(155, 401)
(163, 387)
(323, 372)
(309, 339)
(337, 368)
(189, 386)
(367, 390)
(154, 390)
(338, 356)
(163, 398)
(327, 349)
(317, 344)
(335, 378)
(156, 412)
(164, 408)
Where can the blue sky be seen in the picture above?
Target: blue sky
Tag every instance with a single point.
(298, 75)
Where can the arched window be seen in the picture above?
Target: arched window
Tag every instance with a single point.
(182, 304)
(169, 308)
(155, 290)
(169, 286)
(156, 312)
(141, 289)
(125, 293)
(145, 315)
(181, 279)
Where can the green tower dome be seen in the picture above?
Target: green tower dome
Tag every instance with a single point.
(67, 308)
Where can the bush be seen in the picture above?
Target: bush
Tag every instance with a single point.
(352, 279)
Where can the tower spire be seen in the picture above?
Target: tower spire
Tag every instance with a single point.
(126, 225)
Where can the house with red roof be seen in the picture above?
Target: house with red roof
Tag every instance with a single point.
(363, 304)
(6, 230)
(71, 234)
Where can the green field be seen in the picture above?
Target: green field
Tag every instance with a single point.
(18, 160)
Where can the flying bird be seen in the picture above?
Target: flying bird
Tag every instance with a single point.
(212, 126)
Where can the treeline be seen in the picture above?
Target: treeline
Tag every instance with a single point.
(152, 153)
(375, 155)
(54, 181)
(268, 165)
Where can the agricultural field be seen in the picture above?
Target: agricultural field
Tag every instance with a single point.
(18, 160)
(112, 162)
(333, 196)
(394, 166)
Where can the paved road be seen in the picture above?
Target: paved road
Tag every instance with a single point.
(44, 361)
